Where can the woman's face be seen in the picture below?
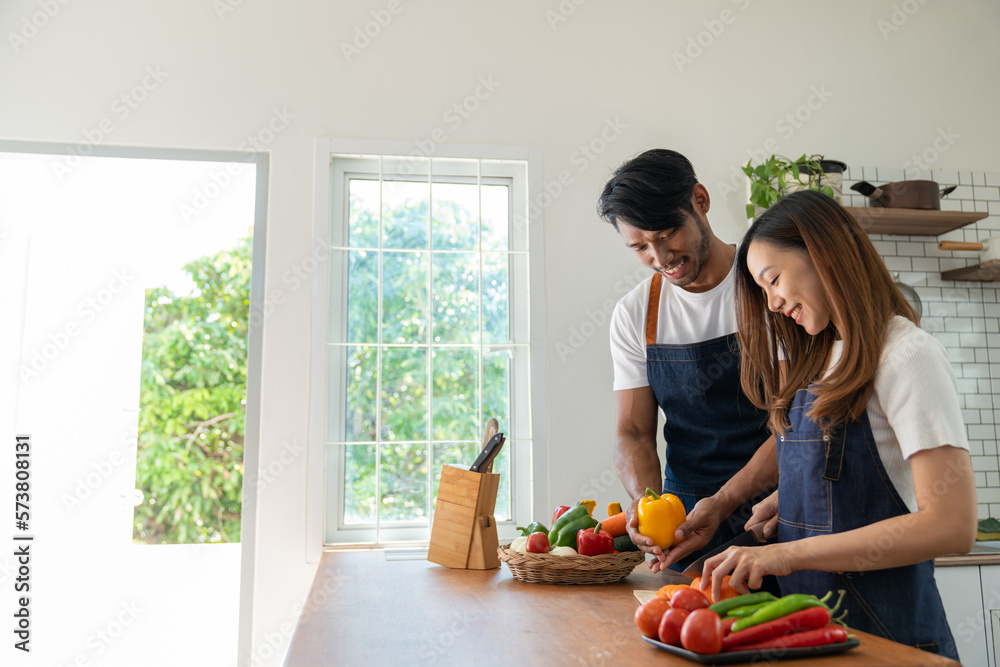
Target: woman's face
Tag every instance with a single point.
(791, 284)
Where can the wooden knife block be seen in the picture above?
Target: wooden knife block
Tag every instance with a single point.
(464, 532)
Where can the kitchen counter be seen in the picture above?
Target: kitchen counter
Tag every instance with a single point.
(364, 610)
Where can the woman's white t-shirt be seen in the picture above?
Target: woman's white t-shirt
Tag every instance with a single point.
(914, 405)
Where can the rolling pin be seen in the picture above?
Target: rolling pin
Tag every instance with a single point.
(988, 249)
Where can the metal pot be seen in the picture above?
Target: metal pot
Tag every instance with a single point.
(904, 194)
(909, 294)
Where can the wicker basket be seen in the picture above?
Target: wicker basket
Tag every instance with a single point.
(549, 569)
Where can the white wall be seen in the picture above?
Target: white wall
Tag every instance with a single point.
(884, 97)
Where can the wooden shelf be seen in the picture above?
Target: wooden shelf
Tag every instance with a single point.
(987, 272)
(912, 221)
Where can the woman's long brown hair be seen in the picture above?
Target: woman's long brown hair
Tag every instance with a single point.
(863, 297)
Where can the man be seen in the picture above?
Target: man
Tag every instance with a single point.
(674, 347)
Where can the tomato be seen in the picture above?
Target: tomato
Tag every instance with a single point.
(647, 616)
(702, 632)
(669, 631)
(538, 543)
(690, 599)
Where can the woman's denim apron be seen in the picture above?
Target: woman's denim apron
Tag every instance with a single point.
(711, 429)
(835, 482)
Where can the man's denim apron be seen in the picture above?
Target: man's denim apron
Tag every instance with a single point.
(835, 482)
(712, 429)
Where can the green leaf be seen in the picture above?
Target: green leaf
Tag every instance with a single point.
(193, 374)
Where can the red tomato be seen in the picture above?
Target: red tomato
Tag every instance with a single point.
(690, 599)
(669, 631)
(702, 632)
(647, 616)
(538, 543)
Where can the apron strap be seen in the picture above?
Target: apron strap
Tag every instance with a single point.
(835, 439)
(652, 312)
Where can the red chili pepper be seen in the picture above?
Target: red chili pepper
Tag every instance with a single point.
(831, 634)
(594, 541)
(727, 626)
(562, 509)
(806, 619)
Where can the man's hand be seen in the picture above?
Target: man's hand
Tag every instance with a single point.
(644, 543)
(697, 529)
(765, 511)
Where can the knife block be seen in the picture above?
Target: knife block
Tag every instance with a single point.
(464, 532)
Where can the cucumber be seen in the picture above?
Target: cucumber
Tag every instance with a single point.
(624, 543)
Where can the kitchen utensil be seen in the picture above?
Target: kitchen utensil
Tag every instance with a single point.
(464, 531)
(484, 462)
(909, 294)
(748, 538)
(492, 426)
(988, 249)
(904, 194)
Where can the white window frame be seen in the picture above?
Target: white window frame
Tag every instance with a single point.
(528, 466)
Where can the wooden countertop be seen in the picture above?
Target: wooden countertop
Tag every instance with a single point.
(364, 610)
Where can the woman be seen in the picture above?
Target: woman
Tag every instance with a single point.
(875, 474)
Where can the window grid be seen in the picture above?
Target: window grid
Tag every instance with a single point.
(509, 345)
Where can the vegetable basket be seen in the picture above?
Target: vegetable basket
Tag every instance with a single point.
(549, 569)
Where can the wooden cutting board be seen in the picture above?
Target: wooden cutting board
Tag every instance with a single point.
(644, 596)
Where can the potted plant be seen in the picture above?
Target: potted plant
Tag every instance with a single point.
(779, 175)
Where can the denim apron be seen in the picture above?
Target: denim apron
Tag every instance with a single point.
(834, 482)
(711, 428)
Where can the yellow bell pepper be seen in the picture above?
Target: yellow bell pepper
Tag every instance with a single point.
(659, 517)
(590, 505)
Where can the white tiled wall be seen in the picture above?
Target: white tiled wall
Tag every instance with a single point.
(964, 316)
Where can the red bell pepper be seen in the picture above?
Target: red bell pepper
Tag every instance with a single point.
(830, 634)
(594, 541)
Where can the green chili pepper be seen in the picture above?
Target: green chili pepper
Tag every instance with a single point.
(722, 607)
(779, 608)
(741, 612)
(533, 527)
(569, 515)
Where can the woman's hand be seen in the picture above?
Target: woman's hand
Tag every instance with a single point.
(748, 566)
(765, 511)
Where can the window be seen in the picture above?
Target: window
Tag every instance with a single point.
(426, 337)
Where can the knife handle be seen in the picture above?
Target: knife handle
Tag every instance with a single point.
(487, 467)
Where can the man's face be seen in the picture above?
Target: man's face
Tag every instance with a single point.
(678, 253)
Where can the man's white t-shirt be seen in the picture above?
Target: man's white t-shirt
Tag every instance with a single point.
(914, 405)
(683, 318)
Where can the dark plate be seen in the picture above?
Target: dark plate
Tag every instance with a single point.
(756, 656)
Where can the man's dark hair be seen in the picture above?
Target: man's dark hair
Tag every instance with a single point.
(652, 191)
